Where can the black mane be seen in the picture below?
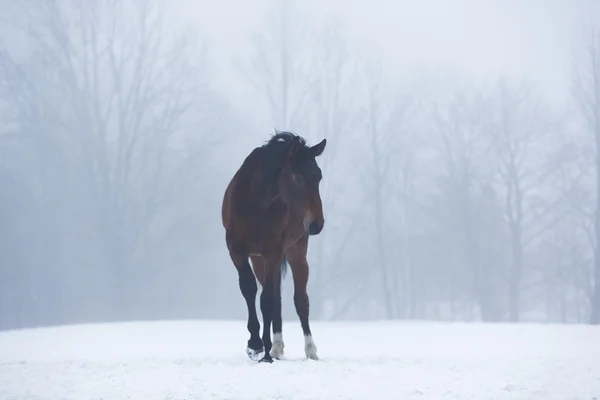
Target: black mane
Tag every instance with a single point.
(285, 141)
(276, 151)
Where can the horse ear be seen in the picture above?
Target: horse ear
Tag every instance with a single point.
(317, 149)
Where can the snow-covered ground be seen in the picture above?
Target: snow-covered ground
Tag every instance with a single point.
(201, 360)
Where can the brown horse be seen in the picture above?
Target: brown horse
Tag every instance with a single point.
(270, 207)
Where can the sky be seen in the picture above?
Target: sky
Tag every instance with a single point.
(483, 38)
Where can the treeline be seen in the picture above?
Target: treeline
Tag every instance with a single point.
(444, 198)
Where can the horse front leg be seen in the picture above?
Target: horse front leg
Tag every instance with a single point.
(278, 346)
(302, 308)
(296, 256)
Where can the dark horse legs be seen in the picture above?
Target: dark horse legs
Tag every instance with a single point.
(249, 288)
(270, 302)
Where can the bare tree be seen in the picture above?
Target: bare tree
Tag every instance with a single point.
(522, 140)
(586, 94)
(116, 90)
(460, 123)
(385, 112)
(575, 235)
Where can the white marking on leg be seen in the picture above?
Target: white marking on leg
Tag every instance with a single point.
(277, 349)
(310, 348)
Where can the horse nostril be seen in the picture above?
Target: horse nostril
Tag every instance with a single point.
(315, 228)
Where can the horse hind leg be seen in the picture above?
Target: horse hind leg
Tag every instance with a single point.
(266, 307)
(270, 303)
(249, 288)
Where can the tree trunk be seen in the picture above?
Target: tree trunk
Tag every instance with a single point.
(595, 314)
(379, 222)
(514, 299)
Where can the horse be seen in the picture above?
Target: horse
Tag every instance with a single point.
(270, 208)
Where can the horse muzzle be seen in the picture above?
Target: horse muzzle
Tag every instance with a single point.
(313, 227)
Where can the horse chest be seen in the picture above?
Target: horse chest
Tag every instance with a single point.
(264, 235)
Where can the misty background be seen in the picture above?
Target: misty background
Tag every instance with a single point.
(460, 176)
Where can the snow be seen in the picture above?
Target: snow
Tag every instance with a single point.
(202, 360)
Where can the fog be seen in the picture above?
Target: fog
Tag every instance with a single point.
(459, 179)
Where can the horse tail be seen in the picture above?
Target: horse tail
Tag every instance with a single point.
(283, 267)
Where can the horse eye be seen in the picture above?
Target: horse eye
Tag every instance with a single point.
(298, 178)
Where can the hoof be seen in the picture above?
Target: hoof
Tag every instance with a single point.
(255, 355)
(267, 359)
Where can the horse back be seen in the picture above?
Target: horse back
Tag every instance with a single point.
(239, 187)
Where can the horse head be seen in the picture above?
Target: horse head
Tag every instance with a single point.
(297, 177)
